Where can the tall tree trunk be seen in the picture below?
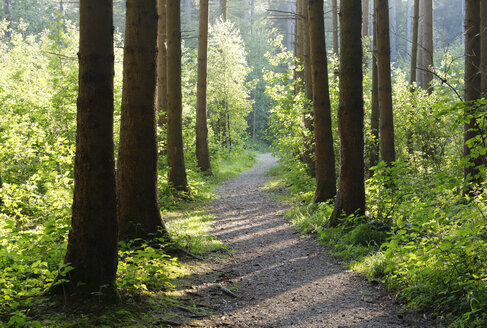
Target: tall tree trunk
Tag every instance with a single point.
(393, 30)
(472, 92)
(414, 44)
(308, 89)
(351, 186)
(202, 153)
(374, 116)
(420, 56)
(138, 203)
(186, 13)
(8, 17)
(428, 45)
(161, 64)
(325, 154)
(409, 13)
(334, 14)
(175, 150)
(93, 239)
(223, 10)
(290, 26)
(483, 44)
(365, 14)
(384, 77)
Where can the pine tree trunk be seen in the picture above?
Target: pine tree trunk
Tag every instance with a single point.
(365, 14)
(324, 152)
(384, 77)
(374, 115)
(202, 153)
(472, 91)
(161, 64)
(414, 44)
(175, 150)
(223, 10)
(351, 186)
(420, 56)
(428, 45)
(483, 44)
(93, 239)
(334, 14)
(138, 203)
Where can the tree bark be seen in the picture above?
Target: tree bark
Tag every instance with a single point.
(351, 186)
(161, 64)
(202, 153)
(428, 45)
(409, 11)
(374, 115)
(483, 44)
(420, 56)
(223, 10)
(384, 77)
(138, 203)
(324, 152)
(92, 241)
(414, 44)
(365, 14)
(393, 30)
(334, 14)
(175, 151)
(472, 92)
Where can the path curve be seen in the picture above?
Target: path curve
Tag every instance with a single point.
(285, 279)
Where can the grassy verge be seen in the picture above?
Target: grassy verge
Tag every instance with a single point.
(423, 240)
(152, 283)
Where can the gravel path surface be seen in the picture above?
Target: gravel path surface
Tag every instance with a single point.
(283, 279)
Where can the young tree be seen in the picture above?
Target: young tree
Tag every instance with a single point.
(161, 63)
(427, 51)
(175, 151)
(384, 79)
(324, 152)
(138, 203)
(374, 115)
(472, 92)
(351, 186)
(414, 44)
(202, 154)
(92, 241)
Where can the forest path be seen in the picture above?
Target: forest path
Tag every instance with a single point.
(284, 279)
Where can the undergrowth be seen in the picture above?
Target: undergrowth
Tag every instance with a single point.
(420, 238)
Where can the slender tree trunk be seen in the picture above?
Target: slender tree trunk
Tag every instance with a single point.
(186, 13)
(325, 154)
(223, 10)
(202, 153)
(175, 150)
(161, 64)
(420, 55)
(365, 14)
(374, 116)
(428, 45)
(8, 17)
(393, 30)
(384, 77)
(290, 26)
(92, 241)
(472, 92)
(308, 89)
(409, 11)
(334, 14)
(138, 203)
(414, 44)
(483, 44)
(351, 186)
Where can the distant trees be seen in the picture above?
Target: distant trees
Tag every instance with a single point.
(350, 198)
(324, 152)
(161, 63)
(93, 239)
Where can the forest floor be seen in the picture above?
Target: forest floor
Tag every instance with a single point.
(276, 277)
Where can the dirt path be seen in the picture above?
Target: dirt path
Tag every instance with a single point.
(284, 279)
